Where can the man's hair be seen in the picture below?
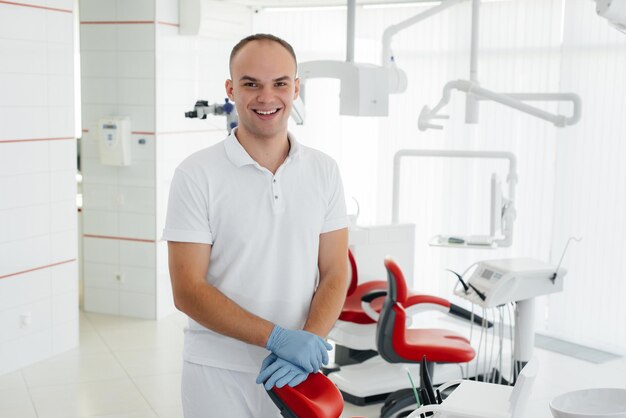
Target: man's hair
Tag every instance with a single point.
(261, 37)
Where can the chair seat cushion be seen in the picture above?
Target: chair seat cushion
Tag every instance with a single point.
(438, 345)
(352, 310)
(316, 397)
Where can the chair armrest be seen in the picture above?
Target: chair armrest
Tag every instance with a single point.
(367, 299)
(422, 303)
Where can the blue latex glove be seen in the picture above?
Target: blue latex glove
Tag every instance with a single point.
(300, 348)
(278, 372)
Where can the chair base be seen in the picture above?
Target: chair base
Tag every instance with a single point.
(373, 380)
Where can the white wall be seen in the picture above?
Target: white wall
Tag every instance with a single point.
(135, 64)
(38, 251)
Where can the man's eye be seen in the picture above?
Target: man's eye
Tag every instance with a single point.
(280, 84)
(250, 84)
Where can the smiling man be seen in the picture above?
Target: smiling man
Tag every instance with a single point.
(257, 238)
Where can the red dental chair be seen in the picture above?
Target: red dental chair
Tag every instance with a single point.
(316, 397)
(397, 344)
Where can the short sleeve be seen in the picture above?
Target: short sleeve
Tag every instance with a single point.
(187, 217)
(336, 216)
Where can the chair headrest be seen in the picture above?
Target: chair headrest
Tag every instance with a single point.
(397, 285)
(316, 397)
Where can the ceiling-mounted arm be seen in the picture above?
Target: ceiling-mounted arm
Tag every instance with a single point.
(514, 100)
(389, 33)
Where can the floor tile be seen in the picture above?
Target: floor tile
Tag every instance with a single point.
(160, 390)
(150, 362)
(16, 403)
(88, 399)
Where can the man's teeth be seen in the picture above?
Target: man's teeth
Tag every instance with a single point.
(269, 112)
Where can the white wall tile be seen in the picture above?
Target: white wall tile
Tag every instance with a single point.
(97, 10)
(100, 197)
(101, 276)
(135, 91)
(97, 64)
(24, 190)
(100, 90)
(64, 245)
(99, 222)
(139, 254)
(24, 289)
(61, 122)
(18, 353)
(98, 37)
(63, 216)
(135, 37)
(65, 336)
(102, 301)
(135, 10)
(25, 57)
(16, 256)
(24, 222)
(62, 185)
(139, 305)
(62, 155)
(60, 90)
(60, 27)
(135, 64)
(65, 307)
(145, 150)
(95, 172)
(137, 225)
(18, 123)
(39, 314)
(177, 92)
(23, 158)
(61, 4)
(141, 117)
(101, 250)
(138, 279)
(176, 65)
(19, 89)
(91, 113)
(88, 146)
(139, 173)
(64, 278)
(165, 298)
(60, 59)
(22, 23)
(139, 200)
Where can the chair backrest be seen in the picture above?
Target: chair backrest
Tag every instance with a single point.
(391, 313)
(523, 387)
(353, 274)
(316, 397)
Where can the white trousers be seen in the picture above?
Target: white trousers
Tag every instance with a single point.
(210, 392)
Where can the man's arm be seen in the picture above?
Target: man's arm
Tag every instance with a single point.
(205, 304)
(333, 285)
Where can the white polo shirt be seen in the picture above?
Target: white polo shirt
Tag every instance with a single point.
(264, 230)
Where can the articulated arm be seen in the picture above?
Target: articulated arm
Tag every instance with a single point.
(514, 100)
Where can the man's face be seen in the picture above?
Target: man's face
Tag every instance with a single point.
(263, 87)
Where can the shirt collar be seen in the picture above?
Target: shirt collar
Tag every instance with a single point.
(240, 157)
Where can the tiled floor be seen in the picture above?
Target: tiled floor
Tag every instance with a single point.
(130, 368)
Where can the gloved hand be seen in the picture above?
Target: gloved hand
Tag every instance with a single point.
(278, 372)
(300, 348)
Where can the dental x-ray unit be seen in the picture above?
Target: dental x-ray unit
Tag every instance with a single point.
(475, 93)
(502, 209)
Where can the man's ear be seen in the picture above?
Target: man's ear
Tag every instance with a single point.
(229, 89)
(297, 89)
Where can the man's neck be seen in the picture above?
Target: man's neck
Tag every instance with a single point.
(267, 152)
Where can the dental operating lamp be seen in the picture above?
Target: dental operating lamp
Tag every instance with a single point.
(614, 11)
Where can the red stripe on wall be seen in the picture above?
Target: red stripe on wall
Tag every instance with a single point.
(119, 238)
(169, 24)
(6, 141)
(142, 133)
(38, 268)
(12, 3)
